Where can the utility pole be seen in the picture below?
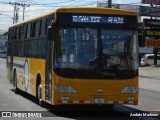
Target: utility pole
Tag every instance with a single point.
(24, 6)
(16, 9)
(109, 3)
(14, 5)
(15, 15)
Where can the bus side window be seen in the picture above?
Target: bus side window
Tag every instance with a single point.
(18, 33)
(43, 28)
(37, 28)
(22, 40)
(33, 29)
(29, 30)
(26, 30)
(9, 42)
(20, 30)
(46, 25)
(40, 27)
(17, 41)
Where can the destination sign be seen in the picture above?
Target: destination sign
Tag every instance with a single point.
(98, 19)
(151, 22)
(152, 33)
(155, 2)
(152, 43)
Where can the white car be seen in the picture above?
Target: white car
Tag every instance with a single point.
(2, 54)
(148, 59)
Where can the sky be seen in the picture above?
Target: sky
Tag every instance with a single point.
(38, 7)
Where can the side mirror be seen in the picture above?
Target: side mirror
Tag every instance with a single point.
(51, 33)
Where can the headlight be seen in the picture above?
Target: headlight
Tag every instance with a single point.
(64, 89)
(130, 90)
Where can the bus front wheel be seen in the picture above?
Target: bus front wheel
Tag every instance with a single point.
(40, 101)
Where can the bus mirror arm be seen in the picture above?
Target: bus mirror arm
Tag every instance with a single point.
(51, 33)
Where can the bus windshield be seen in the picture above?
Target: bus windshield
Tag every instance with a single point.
(92, 53)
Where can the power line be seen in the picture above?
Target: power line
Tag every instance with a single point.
(3, 2)
(16, 9)
(55, 4)
(52, 3)
(75, 4)
(4, 15)
(6, 11)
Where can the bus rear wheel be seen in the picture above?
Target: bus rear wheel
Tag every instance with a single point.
(16, 91)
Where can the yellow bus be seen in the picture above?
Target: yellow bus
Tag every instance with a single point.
(76, 56)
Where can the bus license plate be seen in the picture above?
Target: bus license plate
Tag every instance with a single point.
(99, 100)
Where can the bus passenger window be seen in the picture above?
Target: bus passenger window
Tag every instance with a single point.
(29, 30)
(40, 27)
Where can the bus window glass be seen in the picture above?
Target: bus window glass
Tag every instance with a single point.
(119, 45)
(42, 48)
(96, 53)
(78, 46)
(29, 30)
(34, 48)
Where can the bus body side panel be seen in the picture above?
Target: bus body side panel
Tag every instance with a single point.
(27, 70)
(37, 66)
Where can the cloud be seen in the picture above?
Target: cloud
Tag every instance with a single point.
(126, 1)
(6, 14)
(118, 1)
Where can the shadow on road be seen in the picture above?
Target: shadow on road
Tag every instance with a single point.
(26, 96)
(88, 112)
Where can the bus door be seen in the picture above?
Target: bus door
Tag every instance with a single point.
(48, 78)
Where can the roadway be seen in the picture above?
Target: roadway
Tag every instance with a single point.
(149, 97)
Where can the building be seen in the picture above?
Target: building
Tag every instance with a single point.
(3, 40)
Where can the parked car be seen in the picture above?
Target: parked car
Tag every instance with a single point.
(2, 54)
(148, 59)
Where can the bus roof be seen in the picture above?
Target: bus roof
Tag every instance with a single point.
(90, 10)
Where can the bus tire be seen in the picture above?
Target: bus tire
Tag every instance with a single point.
(39, 95)
(16, 91)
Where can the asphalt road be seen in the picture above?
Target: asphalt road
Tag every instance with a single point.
(148, 102)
